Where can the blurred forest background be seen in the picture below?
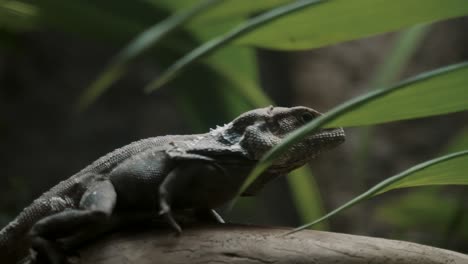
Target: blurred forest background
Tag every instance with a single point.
(50, 53)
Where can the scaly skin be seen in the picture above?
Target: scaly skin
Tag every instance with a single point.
(168, 173)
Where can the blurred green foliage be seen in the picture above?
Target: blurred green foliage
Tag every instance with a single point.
(340, 20)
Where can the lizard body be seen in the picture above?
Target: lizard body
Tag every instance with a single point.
(165, 174)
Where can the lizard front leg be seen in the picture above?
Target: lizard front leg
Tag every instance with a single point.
(178, 178)
(164, 197)
(164, 180)
(96, 205)
(187, 186)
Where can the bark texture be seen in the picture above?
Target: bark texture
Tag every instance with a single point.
(248, 244)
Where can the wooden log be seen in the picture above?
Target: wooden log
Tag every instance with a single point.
(251, 244)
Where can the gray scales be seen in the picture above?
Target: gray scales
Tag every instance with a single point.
(161, 176)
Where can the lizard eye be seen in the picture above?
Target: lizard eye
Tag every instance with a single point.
(307, 117)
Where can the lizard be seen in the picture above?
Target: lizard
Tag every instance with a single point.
(163, 174)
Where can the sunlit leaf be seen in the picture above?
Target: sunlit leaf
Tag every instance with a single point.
(229, 10)
(342, 20)
(430, 12)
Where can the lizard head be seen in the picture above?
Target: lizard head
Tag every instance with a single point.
(261, 129)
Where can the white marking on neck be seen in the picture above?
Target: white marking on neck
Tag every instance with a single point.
(219, 130)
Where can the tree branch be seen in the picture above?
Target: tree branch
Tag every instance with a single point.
(247, 244)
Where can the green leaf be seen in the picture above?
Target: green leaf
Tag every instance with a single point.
(431, 93)
(342, 20)
(234, 9)
(147, 39)
(222, 40)
(223, 17)
(229, 10)
(449, 169)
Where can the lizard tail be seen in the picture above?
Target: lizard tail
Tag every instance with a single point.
(14, 239)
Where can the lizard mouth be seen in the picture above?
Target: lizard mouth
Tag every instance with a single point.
(327, 139)
(319, 142)
(334, 134)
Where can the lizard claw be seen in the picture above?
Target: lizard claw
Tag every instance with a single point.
(171, 221)
(165, 211)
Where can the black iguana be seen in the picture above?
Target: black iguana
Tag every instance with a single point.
(162, 174)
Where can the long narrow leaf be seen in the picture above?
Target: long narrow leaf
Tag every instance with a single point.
(147, 39)
(343, 20)
(449, 169)
(229, 10)
(436, 92)
(226, 38)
